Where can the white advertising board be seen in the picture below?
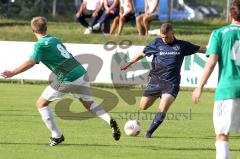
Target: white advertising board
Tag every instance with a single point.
(14, 53)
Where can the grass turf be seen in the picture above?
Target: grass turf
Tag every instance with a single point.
(23, 134)
(196, 32)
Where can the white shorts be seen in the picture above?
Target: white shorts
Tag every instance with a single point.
(79, 89)
(226, 116)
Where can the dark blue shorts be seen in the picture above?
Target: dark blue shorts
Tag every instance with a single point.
(157, 87)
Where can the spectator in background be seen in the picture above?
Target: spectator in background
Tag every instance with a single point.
(126, 14)
(89, 9)
(151, 13)
(111, 11)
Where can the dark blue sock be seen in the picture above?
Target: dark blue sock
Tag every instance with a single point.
(156, 122)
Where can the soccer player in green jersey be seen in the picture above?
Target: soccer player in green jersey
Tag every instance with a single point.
(70, 77)
(224, 49)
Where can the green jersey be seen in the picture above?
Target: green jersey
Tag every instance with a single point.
(51, 52)
(225, 42)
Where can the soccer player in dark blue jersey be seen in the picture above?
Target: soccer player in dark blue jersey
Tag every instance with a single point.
(168, 54)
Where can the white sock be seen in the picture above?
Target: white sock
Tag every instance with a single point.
(48, 119)
(222, 150)
(100, 112)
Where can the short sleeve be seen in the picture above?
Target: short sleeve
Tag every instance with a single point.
(213, 44)
(151, 48)
(190, 48)
(36, 56)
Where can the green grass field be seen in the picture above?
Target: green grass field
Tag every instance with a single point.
(23, 134)
(72, 32)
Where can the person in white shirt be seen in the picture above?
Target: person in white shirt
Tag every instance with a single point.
(151, 13)
(126, 14)
(111, 11)
(89, 9)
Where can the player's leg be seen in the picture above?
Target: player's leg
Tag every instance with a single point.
(226, 118)
(96, 109)
(166, 101)
(83, 93)
(151, 93)
(139, 24)
(222, 147)
(146, 102)
(114, 24)
(48, 95)
(101, 113)
(222, 121)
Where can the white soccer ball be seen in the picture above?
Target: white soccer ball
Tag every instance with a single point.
(132, 128)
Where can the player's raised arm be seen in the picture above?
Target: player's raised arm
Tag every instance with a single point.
(23, 67)
(135, 59)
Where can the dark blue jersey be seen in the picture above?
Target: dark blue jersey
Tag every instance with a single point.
(168, 58)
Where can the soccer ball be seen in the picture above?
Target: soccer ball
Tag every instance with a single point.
(132, 128)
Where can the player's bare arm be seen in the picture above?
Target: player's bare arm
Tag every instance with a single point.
(209, 67)
(134, 60)
(25, 66)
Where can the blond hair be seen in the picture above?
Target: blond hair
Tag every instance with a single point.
(39, 25)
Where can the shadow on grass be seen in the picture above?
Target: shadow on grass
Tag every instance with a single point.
(182, 137)
(13, 24)
(192, 137)
(119, 146)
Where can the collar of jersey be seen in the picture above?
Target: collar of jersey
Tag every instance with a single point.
(44, 36)
(170, 43)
